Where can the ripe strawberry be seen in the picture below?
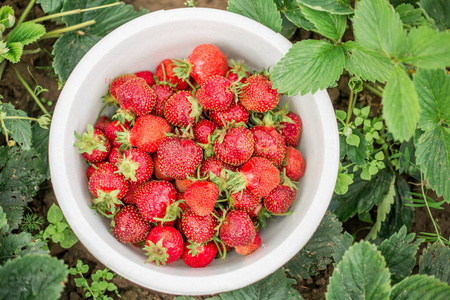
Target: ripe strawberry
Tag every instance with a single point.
(128, 227)
(234, 146)
(157, 169)
(135, 165)
(133, 187)
(117, 82)
(163, 93)
(281, 198)
(269, 144)
(148, 77)
(237, 229)
(178, 157)
(153, 198)
(183, 184)
(258, 95)
(115, 154)
(198, 229)
(135, 95)
(107, 187)
(238, 72)
(215, 166)
(164, 245)
(294, 164)
(245, 201)
(236, 112)
(102, 123)
(112, 130)
(201, 197)
(258, 175)
(202, 130)
(165, 74)
(182, 109)
(198, 255)
(93, 167)
(246, 250)
(291, 132)
(215, 94)
(93, 144)
(207, 60)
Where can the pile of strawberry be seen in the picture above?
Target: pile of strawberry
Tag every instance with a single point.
(195, 158)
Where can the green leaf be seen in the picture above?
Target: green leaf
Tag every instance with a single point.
(361, 274)
(356, 154)
(420, 287)
(51, 6)
(40, 139)
(401, 108)
(328, 25)
(14, 53)
(275, 286)
(377, 27)
(18, 129)
(342, 183)
(69, 240)
(342, 243)
(54, 214)
(294, 14)
(439, 11)
(433, 146)
(316, 254)
(427, 48)
(13, 243)
(33, 277)
(363, 195)
(7, 18)
(434, 261)
(337, 7)
(262, 11)
(353, 140)
(308, 66)
(410, 15)
(383, 209)
(367, 64)
(26, 33)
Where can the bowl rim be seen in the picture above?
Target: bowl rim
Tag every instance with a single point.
(265, 266)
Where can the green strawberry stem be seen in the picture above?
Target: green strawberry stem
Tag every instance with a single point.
(156, 252)
(58, 32)
(173, 212)
(88, 142)
(26, 12)
(127, 167)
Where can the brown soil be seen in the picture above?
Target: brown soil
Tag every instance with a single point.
(38, 65)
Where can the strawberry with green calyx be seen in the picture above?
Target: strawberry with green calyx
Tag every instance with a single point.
(202, 130)
(173, 212)
(237, 71)
(237, 229)
(163, 93)
(216, 94)
(115, 154)
(147, 133)
(233, 144)
(294, 164)
(258, 175)
(214, 165)
(244, 200)
(281, 198)
(235, 113)
(246, 250)
(147, 76)
(153, 198)
(92, 144)
(124, 116)
(93, 167)
(166, 75)
(179, 157)
(164, 245)
(182, 109)
(102, 123)
(198, 255)
(289, 125)
(117, 82)
(199, 229)
(183, 184)
(136, 96)
(135, 165)
(113, 129)
(201, 197)
(258, 95)
(128, 227)
(269, 144)
(157, 169)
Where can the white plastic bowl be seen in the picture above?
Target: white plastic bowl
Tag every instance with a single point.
(140, 45)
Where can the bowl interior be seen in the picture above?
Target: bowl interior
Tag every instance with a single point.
(141, 45)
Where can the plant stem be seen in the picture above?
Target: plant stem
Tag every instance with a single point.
(2, 68)
(5, 130)
(20, 118)
(429, 211)
(374, 90)
(57, 32)
(31, 51)
(350, 107)
(25, 12)
(25, 84)
(72, 12)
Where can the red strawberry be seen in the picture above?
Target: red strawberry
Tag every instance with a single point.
(201, 197)
(93, 167)
(112, 130)
(115, 154)
(182, 109)
(237, 72)
(202, 130)
(133, 187)
(234, 146)
(236, 112)
(292, 132)
(215, 94)
(294, 165)
(128, 227)
(281, 198)
(153, 198)
(183, 184)
(245, 201)
(237, 229)
(107, 187)
(137, 96)
(135, 165)
(198, 255)
(93, 144)
(246, 250)
(117, 82)
(164, 245)
(179, 157)
(163, 93)
(207, 60)
(157, 169)
(258, 95)
(198, 229)
(269, 144)
(165, 74)
(102, 123)
(147, 75)
(258, 175)
(215, 166)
